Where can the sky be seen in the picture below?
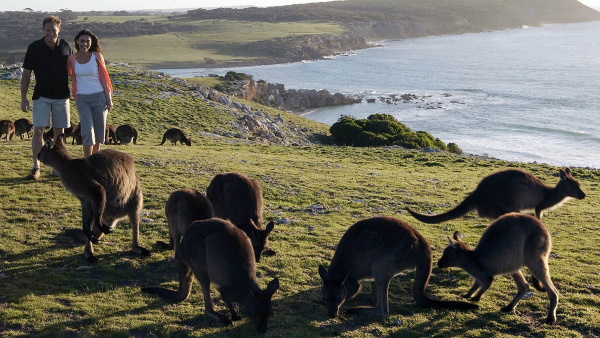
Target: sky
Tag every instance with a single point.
(112, 5)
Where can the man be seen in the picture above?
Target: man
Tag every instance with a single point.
(47, 58)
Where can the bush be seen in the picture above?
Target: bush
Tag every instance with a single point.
(454, 148)
(381, 130)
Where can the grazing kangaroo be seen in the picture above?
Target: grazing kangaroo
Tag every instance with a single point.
(507, 245)
(238, 198)
(7, 128)
(176, 135)
(182, 209)
(216, 251)
(107, 186)
(23, 127)
(511, 190)
(379, 248)
(126, 134)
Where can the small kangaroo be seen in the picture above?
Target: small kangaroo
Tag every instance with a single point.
(23, 127)
(176, 135)
(379, 248)
(7, 128)
(70, 131)
(126, 133)
(107, 186)
(110, 135)
(507, 245)
(182, 209)
(511, 190)
(216, 251)
(238, 198)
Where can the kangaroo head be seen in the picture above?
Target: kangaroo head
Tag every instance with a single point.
(52, 150)
(334, 292)
(259, 238)
(454, 252)
(568, 185)
(188, 142)
(258, 308)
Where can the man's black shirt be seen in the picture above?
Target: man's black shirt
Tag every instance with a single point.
(50, 69)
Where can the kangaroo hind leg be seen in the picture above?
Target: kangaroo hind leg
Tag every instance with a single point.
(522, 288)
(541, 271)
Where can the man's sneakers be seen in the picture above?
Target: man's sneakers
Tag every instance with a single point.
(34, 175)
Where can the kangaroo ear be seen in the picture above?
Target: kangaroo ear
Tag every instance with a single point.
(452, 242)
(273, 286)
(254, 289)
(60, 139)
(568, 171)
(323, 273)
(456, 236)
(562, 175)
(269, 227)
(48, 144)
(253, 224)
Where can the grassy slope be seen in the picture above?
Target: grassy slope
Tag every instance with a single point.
(47, 288)
(220, 40)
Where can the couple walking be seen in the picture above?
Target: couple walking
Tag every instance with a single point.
(52, 61)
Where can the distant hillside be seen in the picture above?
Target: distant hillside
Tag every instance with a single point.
(250, 36)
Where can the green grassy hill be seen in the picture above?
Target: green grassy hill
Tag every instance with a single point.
(250, 36)
(48, 289)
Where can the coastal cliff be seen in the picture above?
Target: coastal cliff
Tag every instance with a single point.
(377, 20)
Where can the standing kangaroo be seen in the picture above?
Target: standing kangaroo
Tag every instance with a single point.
(511, 190)
(379, 248)
(107, 186)
(176, 135)
(7, 128)
(216, 251)
(238, 198)
(182, 209)
(507, 245)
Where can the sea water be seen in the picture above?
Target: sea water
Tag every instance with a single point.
(527, 95)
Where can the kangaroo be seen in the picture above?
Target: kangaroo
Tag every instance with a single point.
(238, 198)
(7, 128)
(176, 135)
(507, 245)
(511, 190)
(216, 251)
(107, 186)
(182, 209)
(23, 127)
(70, 131)
(110, 135)
(379, 248)
(126, 134)
(77, 135)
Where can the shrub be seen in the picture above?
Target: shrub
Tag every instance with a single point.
(381, 130)
(454, 148)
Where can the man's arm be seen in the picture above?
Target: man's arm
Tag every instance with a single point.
(25, 81)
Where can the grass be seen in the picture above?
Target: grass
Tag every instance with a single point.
(47, 288)
(220, 40)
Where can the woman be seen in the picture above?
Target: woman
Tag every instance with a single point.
(91, 89)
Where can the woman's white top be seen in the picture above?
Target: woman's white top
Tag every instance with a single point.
(88, 78)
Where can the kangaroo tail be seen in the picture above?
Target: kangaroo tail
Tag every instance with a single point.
(460, 210)
(422, 274)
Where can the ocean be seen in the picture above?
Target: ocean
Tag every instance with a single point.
(526, 95)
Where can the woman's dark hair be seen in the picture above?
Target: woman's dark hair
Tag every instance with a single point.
(95, 47)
